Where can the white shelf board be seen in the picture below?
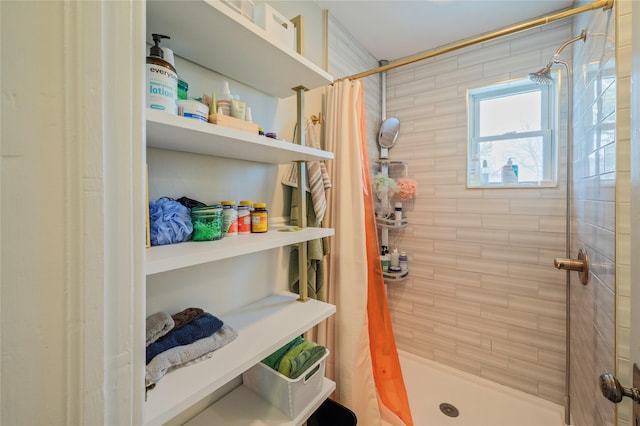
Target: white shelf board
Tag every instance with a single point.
(243, 407)
(262, 328)
(211, 34)
(181, 255)
(176, 133)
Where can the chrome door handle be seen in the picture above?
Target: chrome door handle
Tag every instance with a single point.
(581, 265)
(614, 391)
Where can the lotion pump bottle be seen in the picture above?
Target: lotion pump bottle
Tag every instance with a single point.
(508, 173)
(162, 80)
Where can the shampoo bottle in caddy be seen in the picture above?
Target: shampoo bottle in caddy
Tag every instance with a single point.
(162, 80)
(385, 259)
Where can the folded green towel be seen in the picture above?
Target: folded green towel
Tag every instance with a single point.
(273, 360)
(285, 363)
(305, 360)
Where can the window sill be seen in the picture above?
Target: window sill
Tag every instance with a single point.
(523, 185)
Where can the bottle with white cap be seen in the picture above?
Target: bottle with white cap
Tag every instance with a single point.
(397, 213)
(223, 104)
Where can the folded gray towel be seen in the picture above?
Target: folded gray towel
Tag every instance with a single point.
(158, 325)
(182, 355)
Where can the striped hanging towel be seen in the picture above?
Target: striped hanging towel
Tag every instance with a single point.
(317, 176)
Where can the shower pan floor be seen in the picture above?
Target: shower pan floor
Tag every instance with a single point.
(443, 396)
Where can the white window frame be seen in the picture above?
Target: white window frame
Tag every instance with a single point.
(548, 132)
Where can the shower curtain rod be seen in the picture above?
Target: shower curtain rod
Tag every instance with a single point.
(604, 4)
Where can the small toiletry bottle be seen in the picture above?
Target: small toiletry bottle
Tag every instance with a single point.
(259, 218)
(508, 175)
(484, 173)
(397, 213)
(474, 171)
(244, 220)
(213, 107)
(183, 88)
(385, 259)
(223, 105)
(229, 218)
(395, 258)
(238, 108)
(403, 260)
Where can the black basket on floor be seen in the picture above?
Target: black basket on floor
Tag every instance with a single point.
(331, 413)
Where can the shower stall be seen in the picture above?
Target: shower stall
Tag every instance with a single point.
(483, 295)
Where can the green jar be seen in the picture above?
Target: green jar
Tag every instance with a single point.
(183, 88)
(207, 223)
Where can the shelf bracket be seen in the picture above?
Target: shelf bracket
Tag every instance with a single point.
(302, 197)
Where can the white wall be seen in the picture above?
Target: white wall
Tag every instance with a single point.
(72, 207)
(32, 297)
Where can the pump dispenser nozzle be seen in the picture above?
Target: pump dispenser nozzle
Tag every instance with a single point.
(156, 50)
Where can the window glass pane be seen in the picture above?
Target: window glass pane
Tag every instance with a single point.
(526, 153)
(513, 113)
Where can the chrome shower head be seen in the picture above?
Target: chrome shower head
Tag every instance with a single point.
(544, 75)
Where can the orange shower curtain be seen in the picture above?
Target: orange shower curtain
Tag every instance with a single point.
(367, 371)
(384, 354)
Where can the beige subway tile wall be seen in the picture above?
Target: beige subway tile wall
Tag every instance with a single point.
(483, 295)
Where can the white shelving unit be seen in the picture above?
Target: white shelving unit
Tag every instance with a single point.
(209, 33)
(182, 134)
(181, 388)
(191, 253)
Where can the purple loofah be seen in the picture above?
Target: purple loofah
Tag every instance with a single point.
(170, 222)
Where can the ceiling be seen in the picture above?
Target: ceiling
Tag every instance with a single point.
(394, 29)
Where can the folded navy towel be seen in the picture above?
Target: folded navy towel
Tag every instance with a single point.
(199, 328)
